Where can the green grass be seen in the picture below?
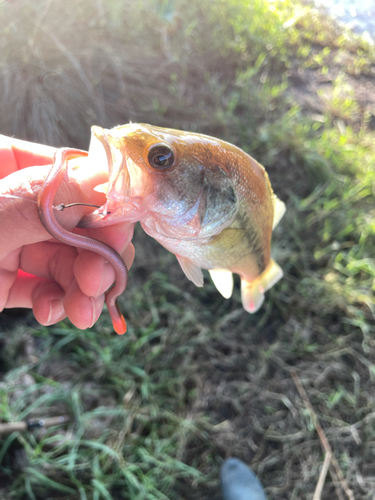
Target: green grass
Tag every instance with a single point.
(197, 379)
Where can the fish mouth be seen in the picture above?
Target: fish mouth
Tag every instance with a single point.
(122, 203)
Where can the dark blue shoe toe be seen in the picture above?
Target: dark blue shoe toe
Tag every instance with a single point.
(239, 482)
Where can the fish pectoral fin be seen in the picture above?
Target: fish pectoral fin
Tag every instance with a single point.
(223, 280)
(102, 188)
(279, 210)
(252, 292)
(191, 270)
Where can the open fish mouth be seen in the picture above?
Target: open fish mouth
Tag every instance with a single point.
(121, 205)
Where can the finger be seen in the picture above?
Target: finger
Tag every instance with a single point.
(47, 302)
(16, 155)
(28, 153)
(20, 292)
(50, 260)
(56, 261)
(20, 223)
(83, 311)
(128, 255)
(93, 274)
(53, 260)
(8, 161)
(7, 279)
(50, 304)
(43, 296)
(117, 236)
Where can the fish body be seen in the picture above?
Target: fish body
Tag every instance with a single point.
(203, 199)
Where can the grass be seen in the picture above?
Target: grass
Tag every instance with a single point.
(197, 379)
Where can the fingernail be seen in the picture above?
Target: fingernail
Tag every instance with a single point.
(124, 247)
(56, 311)
(93, 312)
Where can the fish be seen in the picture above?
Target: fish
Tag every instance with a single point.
(203, 199)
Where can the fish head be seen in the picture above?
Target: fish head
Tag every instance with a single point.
(174, 182)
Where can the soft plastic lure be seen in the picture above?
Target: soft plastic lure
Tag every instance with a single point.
(48, 219)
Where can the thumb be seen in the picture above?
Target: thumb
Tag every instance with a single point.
(19, 219)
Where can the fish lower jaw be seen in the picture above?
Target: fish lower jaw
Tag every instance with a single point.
(131, 211)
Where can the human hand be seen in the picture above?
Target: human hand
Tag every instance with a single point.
(54, 279)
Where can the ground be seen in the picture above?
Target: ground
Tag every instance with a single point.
(197, 379)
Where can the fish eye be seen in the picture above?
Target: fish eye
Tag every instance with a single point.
(160, 157)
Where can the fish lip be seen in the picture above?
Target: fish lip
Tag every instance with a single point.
(119, 177)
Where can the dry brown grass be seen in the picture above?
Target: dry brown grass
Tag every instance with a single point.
(198, 379)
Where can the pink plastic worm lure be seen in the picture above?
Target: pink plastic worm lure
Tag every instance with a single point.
(48, 219)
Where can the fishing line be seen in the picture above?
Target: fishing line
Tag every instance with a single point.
(60, 207)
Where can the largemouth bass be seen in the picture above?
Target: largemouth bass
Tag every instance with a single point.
(203, 199)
